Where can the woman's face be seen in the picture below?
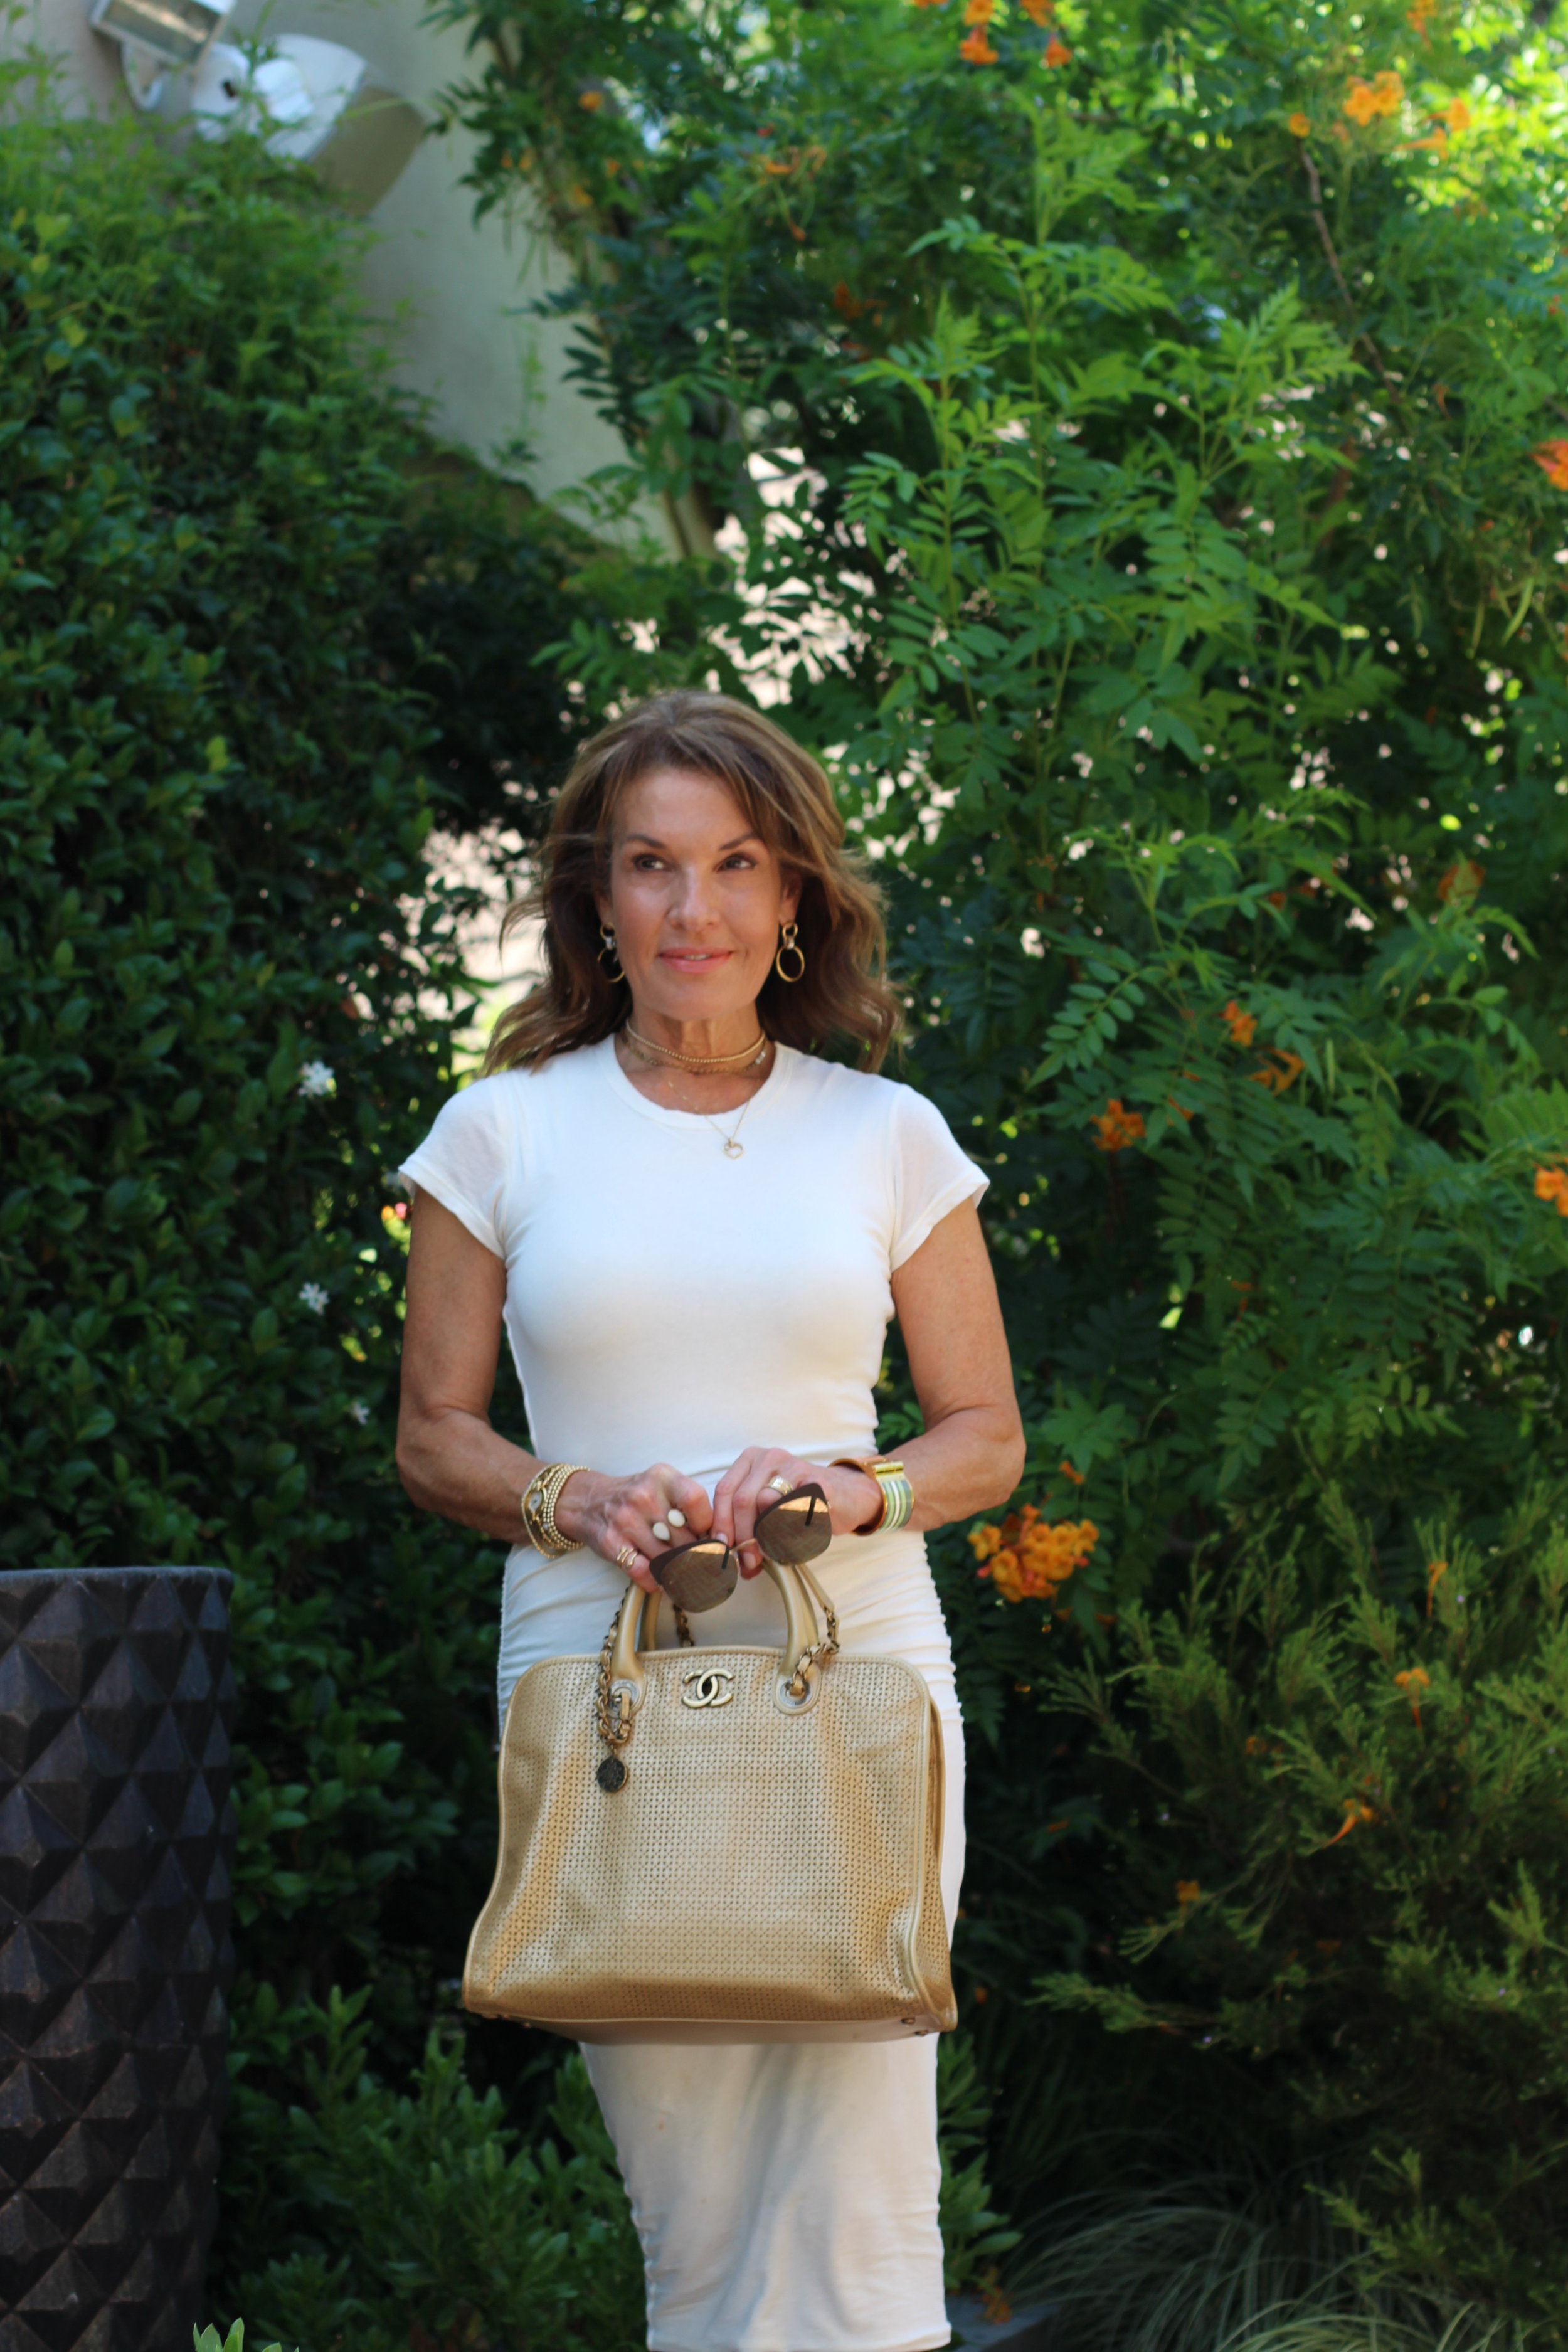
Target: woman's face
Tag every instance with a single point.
(695, 897)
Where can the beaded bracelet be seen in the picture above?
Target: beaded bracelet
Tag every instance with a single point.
(539, 1498)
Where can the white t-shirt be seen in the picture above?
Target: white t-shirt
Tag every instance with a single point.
(665, 1302)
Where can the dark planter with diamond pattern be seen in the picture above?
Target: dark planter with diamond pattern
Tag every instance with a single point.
(116, 1843)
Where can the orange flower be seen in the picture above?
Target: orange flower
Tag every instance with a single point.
(976, 48)
(1551, 1184)
(1435, 1572)
(1188, 1891)
(1419, 14)
(1464, 879)
(1282, 1070)
(979, 12)
(1552, 458)
(849, 305)
(1027, 1558)
(1057, 53)
(1438, 140)
(1365, 100)
(1413, 1682)
(1355, 1814)
(1300, 125)
(590, 100)
(1039, 12)
(1243, 1026)
(1068, 1472)
(1114, 1128)
(1458, 116)
(927, 4)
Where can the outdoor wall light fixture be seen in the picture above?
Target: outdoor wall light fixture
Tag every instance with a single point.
(156, 36)
(311, 100)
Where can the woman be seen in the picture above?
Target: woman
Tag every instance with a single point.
(694, 1233)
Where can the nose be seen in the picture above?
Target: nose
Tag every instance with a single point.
(691, 905)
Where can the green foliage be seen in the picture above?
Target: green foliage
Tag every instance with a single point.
(1138, 475)
(1192, 2268)
(1141, 593)
(227, 986)
(208, 2339)
(973, 2238)
(423, 2220)
(1337, 1825)
(420, 2217)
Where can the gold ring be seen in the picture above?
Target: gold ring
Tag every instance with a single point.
(626, 1555)
(779, 1484)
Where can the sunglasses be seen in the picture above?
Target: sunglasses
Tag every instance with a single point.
(791, 1532)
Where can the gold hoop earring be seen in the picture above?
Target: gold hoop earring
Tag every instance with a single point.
(788, 946)
(607, 948)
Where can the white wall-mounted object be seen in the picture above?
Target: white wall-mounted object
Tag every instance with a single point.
(315, 101)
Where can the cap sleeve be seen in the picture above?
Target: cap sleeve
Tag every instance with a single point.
(467, 1160)
(933, 1174)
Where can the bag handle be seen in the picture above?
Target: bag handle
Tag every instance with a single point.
(805, 1648)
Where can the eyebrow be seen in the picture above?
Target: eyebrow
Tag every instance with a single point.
(652, 841)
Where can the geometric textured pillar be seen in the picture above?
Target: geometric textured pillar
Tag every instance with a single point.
(116, 1844)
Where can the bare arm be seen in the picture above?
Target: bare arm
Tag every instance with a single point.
(971, 1455)
(449, 1458)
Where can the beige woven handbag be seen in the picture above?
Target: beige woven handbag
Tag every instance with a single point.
(718, 1844)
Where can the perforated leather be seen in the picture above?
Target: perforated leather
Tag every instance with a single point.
(760, 1875)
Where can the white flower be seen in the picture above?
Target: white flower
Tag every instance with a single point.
(316, 1078)
(313, 1296)
(360, 1410)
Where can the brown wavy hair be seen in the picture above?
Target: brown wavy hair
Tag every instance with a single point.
(788, 802)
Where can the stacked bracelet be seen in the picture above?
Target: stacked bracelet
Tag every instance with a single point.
(898, 1494)
(539, 1498)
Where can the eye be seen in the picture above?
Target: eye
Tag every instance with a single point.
(645, 861)
(740, 857)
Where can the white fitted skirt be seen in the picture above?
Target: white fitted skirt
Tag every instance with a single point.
(785, 2193)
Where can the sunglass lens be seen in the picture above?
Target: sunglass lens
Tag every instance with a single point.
(698, 1576)
(797, 1527)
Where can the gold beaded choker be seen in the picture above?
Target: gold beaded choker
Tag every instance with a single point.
(748, 1056)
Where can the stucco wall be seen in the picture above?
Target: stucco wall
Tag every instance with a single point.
(454, 293)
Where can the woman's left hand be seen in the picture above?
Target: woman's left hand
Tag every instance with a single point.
(745, 1491)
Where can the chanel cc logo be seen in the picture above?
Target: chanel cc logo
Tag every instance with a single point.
(709, 1686)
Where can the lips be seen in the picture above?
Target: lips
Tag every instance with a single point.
(695, 959)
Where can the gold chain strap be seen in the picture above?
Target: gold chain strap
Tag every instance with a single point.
(821, 1652)
(615, 1718)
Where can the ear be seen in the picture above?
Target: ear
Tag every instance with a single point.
(789, 898)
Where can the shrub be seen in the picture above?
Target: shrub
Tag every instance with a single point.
(227, 989)
(1136, 447)
(1340, 1900)
(430, 2224)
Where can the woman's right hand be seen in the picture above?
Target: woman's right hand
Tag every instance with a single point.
(611, 1514)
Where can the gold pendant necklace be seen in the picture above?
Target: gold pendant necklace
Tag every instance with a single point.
(734, 1148)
